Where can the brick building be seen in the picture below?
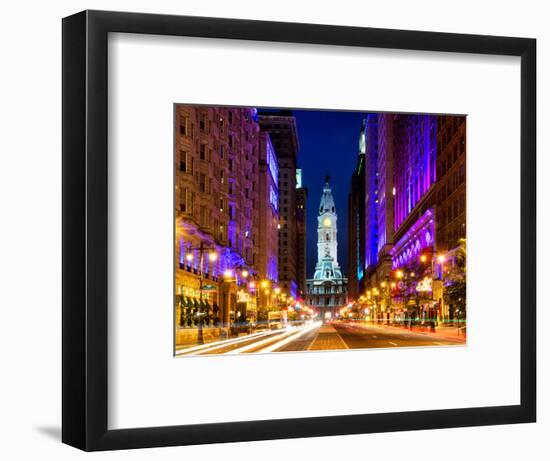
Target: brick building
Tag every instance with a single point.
(281, 126)
(217, 223)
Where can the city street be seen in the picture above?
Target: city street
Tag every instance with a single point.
(279, 248)
(317, 336)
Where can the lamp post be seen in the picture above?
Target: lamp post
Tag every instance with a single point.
(387, 286)
(212, 256)
(375, 295)
(440, 259)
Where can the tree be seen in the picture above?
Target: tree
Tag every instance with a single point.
(455, 283)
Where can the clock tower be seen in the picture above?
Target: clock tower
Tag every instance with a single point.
(327, 289)
(327, 237)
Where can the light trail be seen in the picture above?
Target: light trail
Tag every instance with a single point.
(284, 342)
(223, 343)
(291, 332)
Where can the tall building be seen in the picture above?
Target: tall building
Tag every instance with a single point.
(327, 290)
(414, 173)
(371, 194)
(450, 200)
(268, 215)
(356, 220)
(414, 217)
(450, 213)
(281, 126)
(301, 229)
(223, 236)
(386, 195)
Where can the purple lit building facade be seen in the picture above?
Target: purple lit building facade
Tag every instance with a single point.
(414, 177)
(371, 194)
(414, 208)
(386, 195)
(414, 163)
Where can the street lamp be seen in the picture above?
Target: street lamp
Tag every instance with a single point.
(212, 256)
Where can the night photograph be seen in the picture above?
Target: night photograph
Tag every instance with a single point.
(309, 230)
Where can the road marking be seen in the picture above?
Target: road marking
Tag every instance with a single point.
(342, 339)
(439, 344)
(313, 342)
(393, 344)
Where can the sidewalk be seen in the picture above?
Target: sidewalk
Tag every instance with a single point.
(446, 332)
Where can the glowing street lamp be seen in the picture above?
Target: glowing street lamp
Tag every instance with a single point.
(399, 274)
(212, 256)
(244, 273)
(228, 273)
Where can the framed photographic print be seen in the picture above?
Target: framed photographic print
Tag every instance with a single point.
(278, 230)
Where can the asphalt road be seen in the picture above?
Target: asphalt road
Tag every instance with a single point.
(316, 337)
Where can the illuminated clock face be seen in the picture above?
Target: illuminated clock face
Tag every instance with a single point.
(326, 222)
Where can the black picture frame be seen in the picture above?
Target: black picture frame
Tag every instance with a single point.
(85, 222)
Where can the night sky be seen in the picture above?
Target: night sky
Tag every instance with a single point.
(328, 144)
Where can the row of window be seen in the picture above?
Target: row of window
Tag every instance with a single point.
(453, 210)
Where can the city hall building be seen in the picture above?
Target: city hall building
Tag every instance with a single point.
(327, 290)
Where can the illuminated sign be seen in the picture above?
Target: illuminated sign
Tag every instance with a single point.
(273, 198)
(424, 285)
(298, 178)
(272, 163)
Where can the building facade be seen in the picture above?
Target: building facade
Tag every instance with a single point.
(281, 126)
(223, 236)
(356, 220)
(301, 235)
(386, 196)
(415, 171)
(327, 290)
(268, 214)
(371, 202)
(450, 207)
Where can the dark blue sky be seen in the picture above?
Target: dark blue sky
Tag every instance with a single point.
(328, 144)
